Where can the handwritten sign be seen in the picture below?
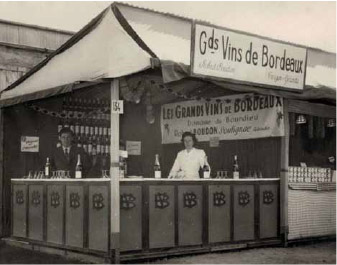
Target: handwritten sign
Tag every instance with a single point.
(231, 55)
(134, 147)
(30, 144)
(117, 106)
(243, 116)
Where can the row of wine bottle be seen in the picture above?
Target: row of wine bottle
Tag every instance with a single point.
(83, 105)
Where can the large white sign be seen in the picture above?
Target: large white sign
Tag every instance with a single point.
(230, 55)
(241, 116)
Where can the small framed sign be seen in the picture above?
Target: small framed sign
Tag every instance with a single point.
(30, 144)
(117, 106)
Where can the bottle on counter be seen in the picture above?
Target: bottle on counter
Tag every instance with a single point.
(236, 174)
(157, 170)
(205, 169)
(79, 168)
(47, 169)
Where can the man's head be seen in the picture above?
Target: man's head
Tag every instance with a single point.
(66, 137)
(188, 140)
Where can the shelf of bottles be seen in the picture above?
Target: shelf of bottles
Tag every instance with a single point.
(309, 174)
(89, 119)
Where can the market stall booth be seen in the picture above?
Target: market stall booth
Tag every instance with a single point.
(157, 217)
(118, 205)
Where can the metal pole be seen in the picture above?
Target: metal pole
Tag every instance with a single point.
(114, 180)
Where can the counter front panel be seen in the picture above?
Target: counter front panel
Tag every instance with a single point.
(219, 218)
(154, 214)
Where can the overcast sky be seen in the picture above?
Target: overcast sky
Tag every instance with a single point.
(308, 23)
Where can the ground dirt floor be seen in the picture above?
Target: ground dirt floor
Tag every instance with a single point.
(301, 253)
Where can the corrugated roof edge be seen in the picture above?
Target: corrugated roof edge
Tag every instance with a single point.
(220, 26)
(2, 21)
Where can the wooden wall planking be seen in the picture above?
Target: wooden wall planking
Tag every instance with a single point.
(1, 171)
(33, 36)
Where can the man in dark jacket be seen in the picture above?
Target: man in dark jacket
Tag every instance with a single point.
(65, 157)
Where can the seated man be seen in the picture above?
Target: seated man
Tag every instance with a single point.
(65, 156)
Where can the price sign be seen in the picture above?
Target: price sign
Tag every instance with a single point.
(117, 106)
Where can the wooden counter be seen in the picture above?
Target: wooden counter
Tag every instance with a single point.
(156, 215)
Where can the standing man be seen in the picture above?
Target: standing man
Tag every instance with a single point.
(65, 157)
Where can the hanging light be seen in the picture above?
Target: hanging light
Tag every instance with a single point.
(301, 119)
(331, 123)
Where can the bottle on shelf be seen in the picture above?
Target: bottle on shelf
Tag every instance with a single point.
(47, 169)
(78, 170)
(205, 169)
(236, 174)
(90, 145)
(157, 169)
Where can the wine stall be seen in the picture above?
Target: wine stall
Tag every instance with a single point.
(128, 117)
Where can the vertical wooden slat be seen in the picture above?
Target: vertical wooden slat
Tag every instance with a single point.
(292, 124)
(284, 175)
(310, 126)
(322, 127)
(1, 172)
(114, 173)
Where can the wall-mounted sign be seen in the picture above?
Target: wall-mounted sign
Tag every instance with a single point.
(30, 144)
(243, 116)
(134, 147)
(230, 55)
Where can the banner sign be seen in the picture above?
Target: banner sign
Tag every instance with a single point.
(230, 55)
(243, 116)
(30, 144)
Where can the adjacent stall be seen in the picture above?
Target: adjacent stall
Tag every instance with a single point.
(128, 112)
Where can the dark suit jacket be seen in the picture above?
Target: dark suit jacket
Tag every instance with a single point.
(60, 162)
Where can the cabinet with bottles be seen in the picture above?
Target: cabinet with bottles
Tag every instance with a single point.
(89, 119)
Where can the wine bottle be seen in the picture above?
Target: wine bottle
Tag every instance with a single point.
(205, 169)
(78, 170)
(90, 145)
(157, 170)
(236, 174)
(47, 169)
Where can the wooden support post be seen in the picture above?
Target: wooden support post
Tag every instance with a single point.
(1, 171)
(284, 229)
(114, 180)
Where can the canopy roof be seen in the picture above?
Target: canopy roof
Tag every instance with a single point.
(122, 40)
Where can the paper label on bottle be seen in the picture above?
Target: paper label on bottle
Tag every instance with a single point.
(92, 130)
(206, 174)
(82, 129)
(78, 174)
(96, 130)
(100, 131)
(235, 175)
(87, 129)
(46, 171)
(157, 174)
